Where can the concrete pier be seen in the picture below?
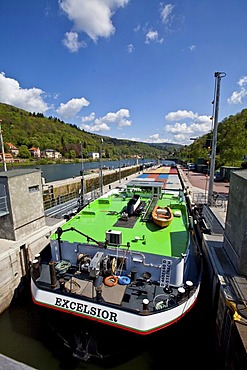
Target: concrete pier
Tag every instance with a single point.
(225, 266)
(7, 363)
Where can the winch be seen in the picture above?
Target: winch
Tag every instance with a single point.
(94, 267)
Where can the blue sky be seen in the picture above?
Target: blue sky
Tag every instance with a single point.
(131, 69)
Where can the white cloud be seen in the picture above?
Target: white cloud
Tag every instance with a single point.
(180, 139)
(92, 17)
(72, 107)
(195, 125)
(178, 128)
(192, 47)
(155, 138)
(120, 119)
(242, 81)
(171, 21)
(130, 48)
(30, 100)
(72, 42)
(137, 28)
(180, 114)
(153, 36)
(89, 118)
(95, 127)
(237, 96)
(166, 12)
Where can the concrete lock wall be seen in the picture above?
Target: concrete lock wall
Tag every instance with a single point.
(13, 265)
(235, 239)
(15, 260)
(56, 190)
(25, 203)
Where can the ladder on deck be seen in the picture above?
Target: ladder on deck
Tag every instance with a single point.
(147, 215)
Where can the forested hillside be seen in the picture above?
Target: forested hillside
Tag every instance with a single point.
(22, 128)
(231, 146)
(25, 129)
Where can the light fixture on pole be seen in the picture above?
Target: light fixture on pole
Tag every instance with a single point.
(2, 147)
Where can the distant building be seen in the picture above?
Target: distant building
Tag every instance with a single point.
(8, 157)
(50, 154)
(13, 150)
(35, 152)
(94, 155)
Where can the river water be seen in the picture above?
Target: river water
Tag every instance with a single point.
(27, 337)
(54, 172)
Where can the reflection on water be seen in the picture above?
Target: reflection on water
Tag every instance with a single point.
(27, 336)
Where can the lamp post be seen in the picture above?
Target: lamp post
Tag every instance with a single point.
(100, 161)
(193, 139)
(2, 145)
(119, 169)
(82, 180)
(218, 76)
(206, 186)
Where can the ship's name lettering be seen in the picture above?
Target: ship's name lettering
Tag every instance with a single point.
(84, 308)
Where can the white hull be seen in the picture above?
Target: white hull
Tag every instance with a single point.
(144, 323)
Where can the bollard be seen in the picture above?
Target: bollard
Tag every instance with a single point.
(181, 292)
(98, 293)
(53, 275)
(35, 268)
(145, 304)
(189, 286)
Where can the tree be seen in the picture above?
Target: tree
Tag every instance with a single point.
(72, 154)
(24, 152)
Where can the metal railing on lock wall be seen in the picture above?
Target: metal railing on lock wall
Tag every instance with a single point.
(50, 201)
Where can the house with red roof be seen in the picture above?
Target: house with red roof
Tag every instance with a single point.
(12, 149)
(35, 152)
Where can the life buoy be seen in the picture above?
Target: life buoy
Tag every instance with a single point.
(124, 280)
(111, 280)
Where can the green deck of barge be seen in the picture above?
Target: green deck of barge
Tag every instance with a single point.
(144, 236)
